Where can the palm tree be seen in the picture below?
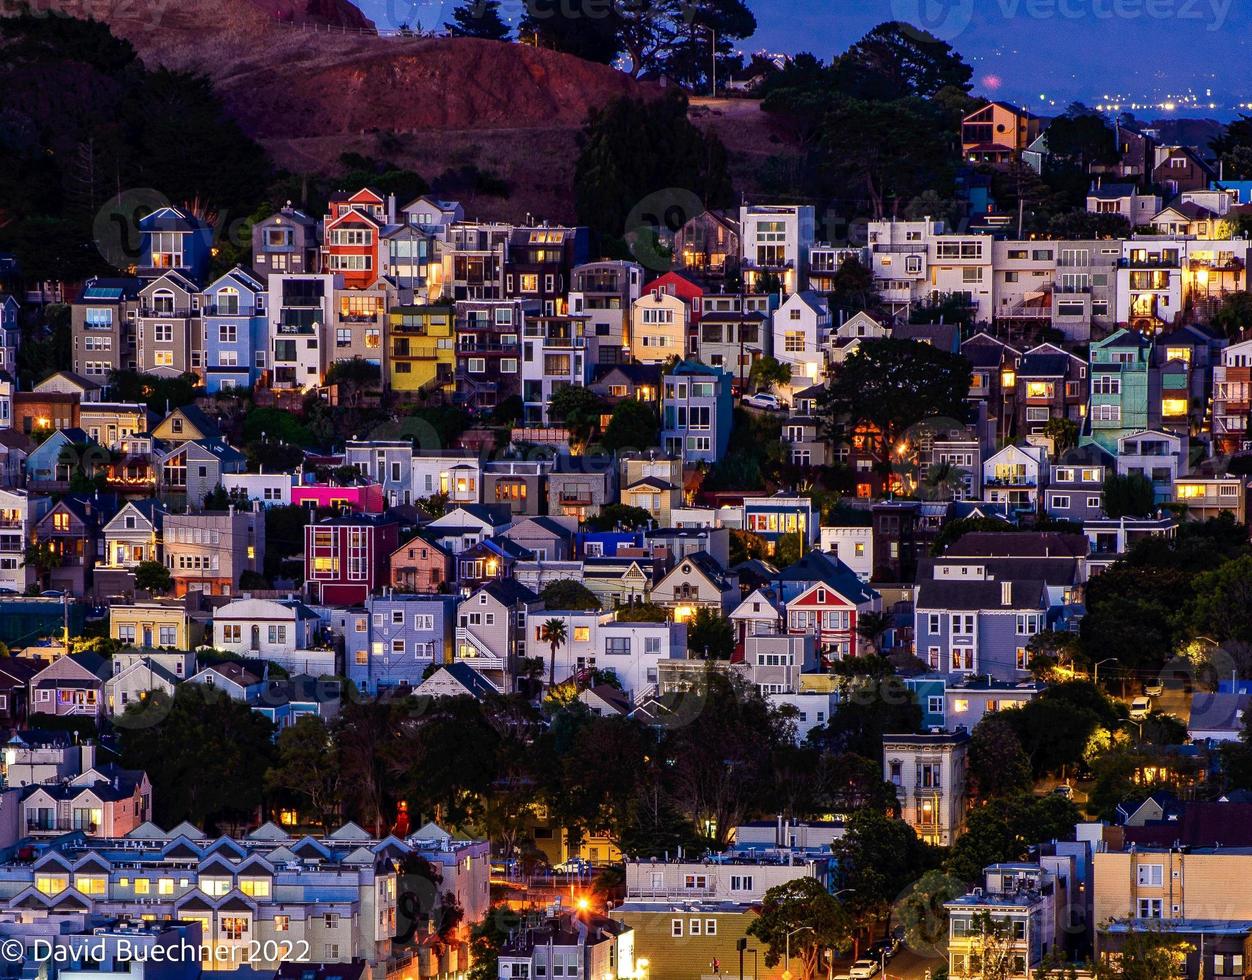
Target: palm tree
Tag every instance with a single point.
(554, 630)
(43, 558)
(871, 626)
(944, 480)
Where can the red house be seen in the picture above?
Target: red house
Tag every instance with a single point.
(676, 285)
(352, 237)
(346, 558)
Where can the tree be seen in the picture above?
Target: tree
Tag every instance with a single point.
(643, 612)
(853, 289)
(1082, 224)
(710, 635)
(568, 594)
(224, 751)
(1079, 139)
(767, 372)
(579, 408)
(478, 18)
(1003, 829)
(998, 766)
(354, 377)
(1129, 495)
(788, 549)
(591, 33)
(307, 767)
(632, 147)
(634, 424)
(872, 626)
(891, 385)
(1063, 433)
(554, 632)
(922, 913)
(153, 577)
(897, 60)
(1234, 316)
(612, 516)
(43, 558)
(878, 857)
(1222, 607)
(1232, 148)
(1147, 954)
(801, 917)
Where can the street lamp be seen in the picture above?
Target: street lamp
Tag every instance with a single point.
(1096, 674)
(787, 942)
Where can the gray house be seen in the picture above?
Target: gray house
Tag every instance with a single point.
(1076, 489)
(578, 488)
(393, 640)
(386, 462)
(547, 538)
(519, 484)
(187, 473)
(979, 626)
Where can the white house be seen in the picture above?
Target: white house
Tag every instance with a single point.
(457, 474)
(1014, 476)
(802, 337)
(18, 514)
(266, 489)
(132, 683)
(852, 544)
(279, 630)
(594, 640)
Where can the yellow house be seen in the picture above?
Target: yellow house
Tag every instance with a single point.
(150, 624)
(658, 327)
(422, 347)
(693, 939)
(1163, 883)
(184, 425)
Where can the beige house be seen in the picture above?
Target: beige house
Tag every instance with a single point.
(169, 337)
(491, 628)
(209, 551)
(1164, 883)
(696, 582)
(928, 772)
(150, 624)
(111, 423)
(658, 328)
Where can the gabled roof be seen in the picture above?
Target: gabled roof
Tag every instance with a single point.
(651, 483)
(818, 566)
(508, 592)
(466, 676)
(1112, 192)
(981, 596)
(706, 565)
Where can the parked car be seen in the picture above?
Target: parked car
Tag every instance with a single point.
(574, 866)
(766, 400)
(1064, 790)
(1140, 707)
(1154, 689)
(863, 969)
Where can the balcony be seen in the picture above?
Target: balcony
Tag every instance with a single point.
(465, 351)
(148, 312)
(1071, 289)
(417, 352)
(1149, 262)
(1229, 264)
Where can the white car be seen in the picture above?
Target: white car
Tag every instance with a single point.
(1154, 689)
(764, 399)
(863, 969)
(1140, 707)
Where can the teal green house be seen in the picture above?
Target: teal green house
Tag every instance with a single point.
(1120, 387)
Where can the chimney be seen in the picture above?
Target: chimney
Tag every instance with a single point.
(1006, 593)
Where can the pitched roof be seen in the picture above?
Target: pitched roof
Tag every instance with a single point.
(470, 679)
(509, 591)
(980, 595)
(818, 566)
(1019, 544)
(1218, 712)
(1201, 825)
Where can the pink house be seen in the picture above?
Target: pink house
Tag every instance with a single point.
(366, 498)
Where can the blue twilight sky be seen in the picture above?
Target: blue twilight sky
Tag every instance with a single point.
(1191, 53)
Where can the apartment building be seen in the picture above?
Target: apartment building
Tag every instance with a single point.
(696, 412)
(729, 877)
(209, 551)
(557, 352)
(235, 331)
(1232, 397)
(775, 241)
(392, 640)
(1026, 902)
(422, 348)
(102, 327)
(605, 293)
(300, 313)
(19, 513)
(169, 335)
(801, 337)
(489, 350)
(928, 772)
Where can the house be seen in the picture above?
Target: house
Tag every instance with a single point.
(775, 241)
(236, 681)
(1015, 476)
(352, 233)
(998, 133)
(618, 382)
(284, 701)
(102, 322)
(491, 558)
(452, 472)
(133, 535)
(70, 685)
(170, 330)
(1051, 383)
(516, 484)
(111, 424)
(974, 625)
(1159, 456)
(62, 456)
(233, 310)
(1207, 497)
(210, 551)
(1217, 717)
(422, 351)
(15, 676)
(265, 489)
(546, 538)
(346, 558)
(1232, 395)
(658, 326)
(135, 682)
(801, 328)
(604, 292)
(286, 241)
(270, 629)
(1075, 489)
(1176, 169)
(570, 943)
(420, 565)
(466, 525)
(19, 513)
(823, 597)
(301, 306)
(148, 625)
(804, 429)
(1031, 902)
(929, 772)
(707, 246)
(456, 679)
(190, 471)
(359, 496)
(103, 801)
(1121, 371)
(540, 261)
(172, 238)
(696, 412)
(579, 486)
(733, 340)
(1125, 200)
(491, 629)
(774, 517)
(558, 352)
(488, 349)
(71, 528)
(853, 545)
(696, 582)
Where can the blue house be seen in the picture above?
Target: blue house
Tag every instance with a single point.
(604, 544)
(697, 412)
(52, 463)
(963, 627)
(392, 641)
(10, 334)
(929, 690)
(234, 330)
(171, 238)
(783, 513)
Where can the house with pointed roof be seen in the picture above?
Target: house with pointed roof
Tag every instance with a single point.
(454, 680)
(70, 685)
(696, 582)
(103, 801)
(824, 598)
